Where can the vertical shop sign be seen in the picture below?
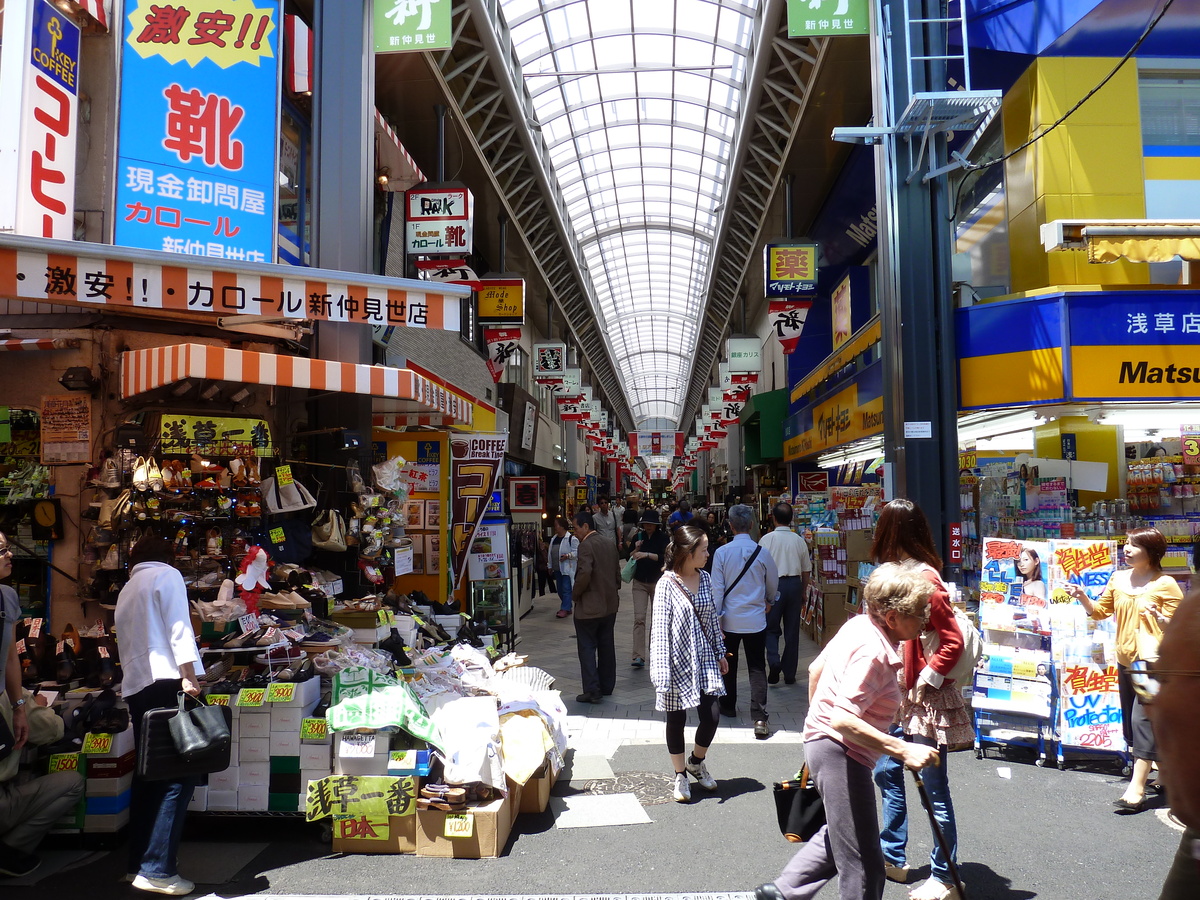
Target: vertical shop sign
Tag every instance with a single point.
(791, 269)
(38, 121)
(744, 354)
(954, 544)
(787, 319)
(475, 470)
(198, 131)
(549, 362)
(405, 25)
(502, 343)
(827, 18)
(842, 316)
(1189, 437)
(439, 219)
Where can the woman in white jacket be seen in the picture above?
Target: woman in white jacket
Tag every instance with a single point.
(561, 557)
(159, 658)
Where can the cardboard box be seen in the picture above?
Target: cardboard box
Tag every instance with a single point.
(222, 800)
(105, 806)
(122, 744)
(285, 743)
(108, 787)
(199, 801)
(858, 544)
(535, 795)
(349, 754)
(286, 718)
(484, 831)
(108, 767)
(105, 823)
(255, 749)
(225, 780)
(402, 836)
(315, 756)
(254, 773)
(252, 797)
(254, 727)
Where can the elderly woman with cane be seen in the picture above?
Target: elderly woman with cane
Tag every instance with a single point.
(854, 694)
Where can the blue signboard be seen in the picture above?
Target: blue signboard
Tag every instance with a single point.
(198, 134)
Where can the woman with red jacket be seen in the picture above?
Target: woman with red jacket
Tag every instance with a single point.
(932, 711)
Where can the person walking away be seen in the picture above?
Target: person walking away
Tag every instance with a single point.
(606, 521)
(790, 553)
(681, 516)
(687, 656)
(1142, 599)
(932, 712)
(596, 597)
(649, 550)
(1177, 728)
(542, 565)
(561, 557)
(853, 696)
(745, 584)
(159, 659)
(628, 533)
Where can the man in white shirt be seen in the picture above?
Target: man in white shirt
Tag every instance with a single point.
(606, 520)
(790, 553)
(744, 586)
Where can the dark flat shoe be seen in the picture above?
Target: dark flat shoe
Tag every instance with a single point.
(1125, 808)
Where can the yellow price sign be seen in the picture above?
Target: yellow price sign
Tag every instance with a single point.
(459, 825)
(277, 536)
(382, 617)
(64, 762)
(217, 699)
(314, 729)
(283, 476)
(281, 692)
(1024, 669)
(251, 696)
(97, 743)
(1190, 440)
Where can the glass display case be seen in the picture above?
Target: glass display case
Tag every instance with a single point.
(492, 606)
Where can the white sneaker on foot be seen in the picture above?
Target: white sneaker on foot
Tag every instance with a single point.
(683, 791)
(932, 889)
(175, 886)
(896, 873)
(700, 772)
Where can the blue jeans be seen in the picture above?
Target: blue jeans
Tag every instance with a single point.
(893, 836)
(564, 590)
(158, 809)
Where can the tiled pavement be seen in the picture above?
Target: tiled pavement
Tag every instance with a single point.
(628, 716)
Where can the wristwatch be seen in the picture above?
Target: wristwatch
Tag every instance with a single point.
(19, 703)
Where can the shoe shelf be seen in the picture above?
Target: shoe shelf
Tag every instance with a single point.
(253, 648)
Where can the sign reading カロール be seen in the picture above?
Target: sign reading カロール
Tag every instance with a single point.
(38, 120)
(438, 219)
(198, 130)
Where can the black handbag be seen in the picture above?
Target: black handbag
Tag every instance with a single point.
(199, 729)
(799, 807)
(158, 756)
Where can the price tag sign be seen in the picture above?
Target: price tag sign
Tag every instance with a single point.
(97, 743)
(277, 536)
(357, 746)
(1189, 436)
(217, 699)
(314, 729)
(64, 762)
(381, 617)
(251, 696)
(21, 645)
(59, 647)
(103, 651)
(283, 476)
(35, 628)
(248, 623)
(281, 692)
(459, 825)
(1024, 669)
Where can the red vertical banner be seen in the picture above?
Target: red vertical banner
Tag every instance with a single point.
(787, 319)
(954, 544)
(501, 344)
(475, 464)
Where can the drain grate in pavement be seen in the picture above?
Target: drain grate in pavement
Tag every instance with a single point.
(649, 787)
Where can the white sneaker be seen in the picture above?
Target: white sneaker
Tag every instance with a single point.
(932, 889)
(683, 791)
(175, 886)
(110, 474)
(700, 773)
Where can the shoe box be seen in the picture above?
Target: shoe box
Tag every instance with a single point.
(110, 766)
(252, 797)
(361, 753)
(481, 832)
(199, 801)
(109, 787)
(105, 823)
(535, 794)
(367, 834)
(107, 805)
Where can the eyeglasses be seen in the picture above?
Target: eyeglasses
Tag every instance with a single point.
(5, 550)
(1145, 679)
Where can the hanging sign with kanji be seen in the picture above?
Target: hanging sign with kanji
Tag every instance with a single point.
(407, 25)
(501, 344)
(198, 129)
(549, 362)
(828, 18)
(439, 218)
(791, 269)
(787, 318)
(215, 436)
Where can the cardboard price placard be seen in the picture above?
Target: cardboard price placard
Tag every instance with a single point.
(314, 730)
(356, 746)
(251, 696)
(64, 762)
(374, 796)
(97, 743)
(283, 476)
(459, 825)
(248, 623)
(218, 699)
(277, 536)
(281, 692)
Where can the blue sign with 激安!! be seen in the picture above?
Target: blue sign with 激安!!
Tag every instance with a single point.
(198, 129)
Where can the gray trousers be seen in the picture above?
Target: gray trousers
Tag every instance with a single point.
(29, 810)
(1183, 880)
(848, 845)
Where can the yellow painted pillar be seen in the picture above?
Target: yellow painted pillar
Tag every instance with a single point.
(1093, 443)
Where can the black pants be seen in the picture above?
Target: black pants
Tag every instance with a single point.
(1139, 733)
(543, 577)
(756, 661)
(710, 717)
(597, 654)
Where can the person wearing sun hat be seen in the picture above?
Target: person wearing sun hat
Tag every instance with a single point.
(649, 548)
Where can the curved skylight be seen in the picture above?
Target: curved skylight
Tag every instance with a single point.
(638, 101)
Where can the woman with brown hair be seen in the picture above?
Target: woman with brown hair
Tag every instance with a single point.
(1143, 600)
(687, 655)
(932, 711)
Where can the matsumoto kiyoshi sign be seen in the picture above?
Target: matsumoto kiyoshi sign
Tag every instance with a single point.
(198, 138)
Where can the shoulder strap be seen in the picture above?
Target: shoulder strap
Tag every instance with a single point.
(745, 569)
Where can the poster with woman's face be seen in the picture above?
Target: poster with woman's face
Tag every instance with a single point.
(1013, 590)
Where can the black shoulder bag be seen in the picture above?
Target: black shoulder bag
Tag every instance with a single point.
(745, 569)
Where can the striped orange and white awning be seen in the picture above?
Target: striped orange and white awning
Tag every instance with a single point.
(155, 367)
(97, 9)
(38, 344)
(411, 420)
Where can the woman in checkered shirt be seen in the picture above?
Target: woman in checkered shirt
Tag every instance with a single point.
(687, 655)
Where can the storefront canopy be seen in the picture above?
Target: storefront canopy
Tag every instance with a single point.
(762, 420)
(398, 390)
(1137, 240)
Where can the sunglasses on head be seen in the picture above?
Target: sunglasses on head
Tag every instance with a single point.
(1145, 677)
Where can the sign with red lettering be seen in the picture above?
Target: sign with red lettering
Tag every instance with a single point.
(787, 320)
(439, 218)
(502, 343)
(38, 121)
(198, 128)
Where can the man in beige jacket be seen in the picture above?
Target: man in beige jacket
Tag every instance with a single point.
(595, 597)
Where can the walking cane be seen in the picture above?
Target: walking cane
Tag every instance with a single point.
(937, 833)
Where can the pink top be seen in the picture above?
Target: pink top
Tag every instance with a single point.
(861, 676)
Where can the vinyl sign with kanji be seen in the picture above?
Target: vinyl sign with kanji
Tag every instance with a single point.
(198, 134)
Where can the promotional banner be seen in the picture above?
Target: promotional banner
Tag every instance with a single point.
(214, 436)
(475, 465)
(406, 25)
(787, 319)
(791, 269)
(39, 121)
(502, 343)
(198, 131)
(549, 362)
